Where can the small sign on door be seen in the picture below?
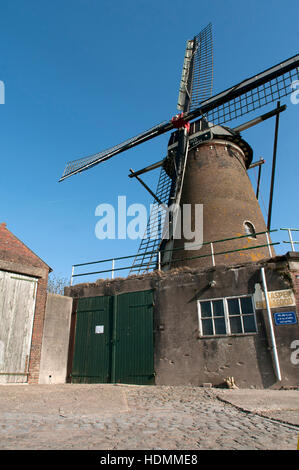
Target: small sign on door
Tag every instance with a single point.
(99, 329)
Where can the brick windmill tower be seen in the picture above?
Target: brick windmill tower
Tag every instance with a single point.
(207, 164)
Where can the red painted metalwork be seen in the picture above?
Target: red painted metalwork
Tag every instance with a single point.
(178, 122)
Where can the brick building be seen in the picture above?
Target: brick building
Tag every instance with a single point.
(23, 295)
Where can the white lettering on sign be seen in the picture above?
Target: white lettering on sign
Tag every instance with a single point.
(99, 329)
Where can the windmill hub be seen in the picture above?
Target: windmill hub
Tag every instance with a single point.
(179, 122)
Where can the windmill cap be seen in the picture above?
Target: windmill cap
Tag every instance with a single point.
(214, 132)
(202, 131)
(225, 133)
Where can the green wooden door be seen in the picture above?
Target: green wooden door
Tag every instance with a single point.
(133, 360)
(114, 339)
(92, 355)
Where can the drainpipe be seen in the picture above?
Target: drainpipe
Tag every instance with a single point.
(274, 348)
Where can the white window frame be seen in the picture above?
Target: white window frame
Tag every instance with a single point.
(226, 317)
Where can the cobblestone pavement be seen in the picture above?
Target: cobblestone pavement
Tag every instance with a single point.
(129, 417)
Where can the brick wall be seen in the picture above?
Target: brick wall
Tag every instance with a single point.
(16, 257)
(12, 249)
(37, 333)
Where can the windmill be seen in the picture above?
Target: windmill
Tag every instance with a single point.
(206, 162)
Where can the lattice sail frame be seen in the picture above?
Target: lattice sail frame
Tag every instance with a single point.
(146, 258)
(81, 164)
(202, 70)
(266, 93)
(252, 100)
(247, 96)
(197, 73)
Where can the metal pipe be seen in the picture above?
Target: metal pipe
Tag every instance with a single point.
(112, 272)
(258, 182)
(175, 249)
(72, 275)
(259, 119)
(259, 163)
(212, 253)
(146, 169)
(273, 168)
(291, 239)
(269, 244)
(154, 263)
(274, 347)
(147, 188)
(292, 242)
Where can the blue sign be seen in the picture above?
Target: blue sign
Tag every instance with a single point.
(285, 318)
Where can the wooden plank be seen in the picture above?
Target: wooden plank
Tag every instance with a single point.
(17, 306)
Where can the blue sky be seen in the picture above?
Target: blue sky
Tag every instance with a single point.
(83, 75)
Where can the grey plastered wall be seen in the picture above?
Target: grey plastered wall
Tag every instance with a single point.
(54, 356)
(182, 357)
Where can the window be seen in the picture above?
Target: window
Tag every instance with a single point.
(249, 229)
(228, 316)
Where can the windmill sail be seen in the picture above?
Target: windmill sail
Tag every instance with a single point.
(243, 98)
(195, 86)
(196, 102)
(81, 164)
(251, 94)
(146, 258)
(158, 227)
(197, 74)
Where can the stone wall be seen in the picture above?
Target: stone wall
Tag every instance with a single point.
(55, 343)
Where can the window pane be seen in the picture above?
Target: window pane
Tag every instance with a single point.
(235, 324)
(218, 308)
(249, 324)
(207, 327)
(205, 309)
(249, 229)
(220, 326)
(233, 307)
(246, 305)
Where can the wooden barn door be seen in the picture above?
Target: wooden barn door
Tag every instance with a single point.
(114, 339)
(134, 339)
(17, 306)
(92, 355)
